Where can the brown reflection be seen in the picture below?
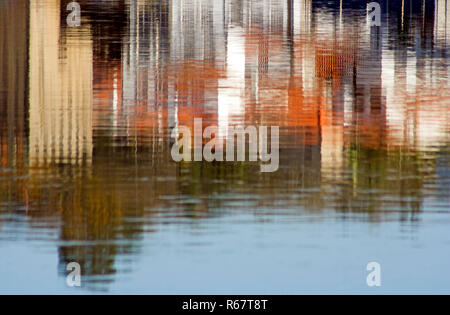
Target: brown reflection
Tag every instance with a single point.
(13, 82)
(13, 105)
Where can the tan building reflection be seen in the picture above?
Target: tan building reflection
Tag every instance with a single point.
(60, 85)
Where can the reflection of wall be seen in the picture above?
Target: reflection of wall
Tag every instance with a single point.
(302, 16)
(332, 152)
(13, 74)
(416, 84)
(442, 23)
(60, 88)
(231, 89)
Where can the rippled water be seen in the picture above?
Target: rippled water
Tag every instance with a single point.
(86, 173)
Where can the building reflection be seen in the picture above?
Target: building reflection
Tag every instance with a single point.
(60, 88)
(334, 89)
(86, 112)
(13, 83)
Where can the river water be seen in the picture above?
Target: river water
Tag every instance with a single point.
(87, 176)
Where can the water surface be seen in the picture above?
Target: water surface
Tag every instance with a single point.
(86, 173)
